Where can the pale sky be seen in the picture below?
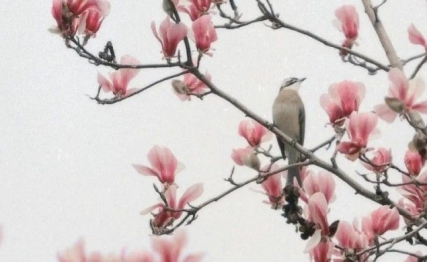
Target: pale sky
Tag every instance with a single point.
(65, 161)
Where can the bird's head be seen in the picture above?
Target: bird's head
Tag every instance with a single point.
(291, 83)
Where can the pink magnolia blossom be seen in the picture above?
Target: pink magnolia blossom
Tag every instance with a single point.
(79, 15)
(119, 80)
(322, 182)
(402, 97)
(196, 8)
(342, 99)
(77, 253)
(414, 196)
(416, 37)
(190, 86)
(246, 157)
(318, 208)
(91, 21)
(381, 160)
(164, 218)
(204, 33)
(322, 252)
(348, 23)
(170, 248)
(413, 162)
(350, 238)
(169, 35)
(164, 165)
(359, 127)
(253, 132)
(318, 214)
(273, 188)
(382, 220)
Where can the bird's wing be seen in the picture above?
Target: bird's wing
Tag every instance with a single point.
(302, 125)
(281, 146)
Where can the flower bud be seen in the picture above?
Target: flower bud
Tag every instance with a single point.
(180, 87)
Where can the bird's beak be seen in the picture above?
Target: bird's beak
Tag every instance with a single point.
(302, 79)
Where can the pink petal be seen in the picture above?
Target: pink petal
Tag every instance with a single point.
(415, 36)
(105, 83)
(318, 208)
(145, 170)
(385, 113)
(191, 194)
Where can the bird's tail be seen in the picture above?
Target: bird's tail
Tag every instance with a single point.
(293, 157)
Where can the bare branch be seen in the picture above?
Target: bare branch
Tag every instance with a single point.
(382, 34)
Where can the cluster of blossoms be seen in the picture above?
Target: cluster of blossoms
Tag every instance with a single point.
(78, 16)
(346, 240)
(165, 166)
(164, 248)
(203, 32)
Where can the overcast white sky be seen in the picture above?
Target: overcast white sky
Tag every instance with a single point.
(65, 162)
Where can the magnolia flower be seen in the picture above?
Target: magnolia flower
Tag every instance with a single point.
(273, 187)
(380, 161)
(342, 99)
(318, 214)
(204, 33)
(416, 37)
(164, 165)
(253, 132)
(196, 8)
(413, 162)
(119, 80)
(322, 182)
(380, 221)
(190, 85)
(402, 97)
(164, 218)
(169, 36)
(84, 16)
(359, 127)
(348, 23)
(349, 237)
(169, 248)
(322, 252)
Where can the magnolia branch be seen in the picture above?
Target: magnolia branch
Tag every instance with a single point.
(121, 98)
(280, 24)
(388, 47)
(83, 52)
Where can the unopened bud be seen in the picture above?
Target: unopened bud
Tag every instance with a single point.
(252, 161)
(180, 87)
(394, 104)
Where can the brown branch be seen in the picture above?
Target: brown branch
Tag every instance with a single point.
(118, 99)
(281, 24)
(418, 67)
(388, 47)
(396, 240)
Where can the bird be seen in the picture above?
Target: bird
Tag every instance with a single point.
(289, 117)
